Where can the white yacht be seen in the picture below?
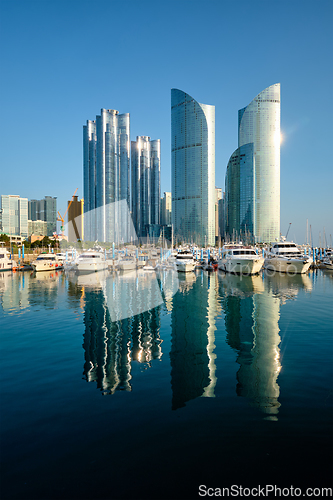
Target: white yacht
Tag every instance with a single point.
(286, 257)
(46, 262)
(240, 259)
(185, 261)
(6, 264)
(126, 264)
(90, 261)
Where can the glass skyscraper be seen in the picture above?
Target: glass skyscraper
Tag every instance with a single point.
(106, 164)
(146, 183)
(239, 189)
(253, 173)
(193, 169)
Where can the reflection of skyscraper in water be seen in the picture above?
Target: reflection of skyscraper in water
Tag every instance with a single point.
(111, 346)
(192, 352)
(13, 297)
(252, 324)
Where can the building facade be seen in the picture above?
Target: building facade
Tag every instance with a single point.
(240, 194)
(146, 184)
(75, 219)
(259, 128)
(166, 209)
(44, 210)
(14, 215)
(106, 173)
(193, 169)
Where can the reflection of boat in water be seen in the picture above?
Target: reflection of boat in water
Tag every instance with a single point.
(286, 257)
(93, 280)
(241, 285)
(45, 276)
(186, 281)
(240, 259)
(286, 286)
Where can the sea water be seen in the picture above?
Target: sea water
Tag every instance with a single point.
(165, 385)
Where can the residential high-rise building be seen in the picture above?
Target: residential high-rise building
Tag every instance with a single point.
(146, 183)
(14, 211)
(253, 172)
(193, 169)
(106, 164)
(44, 210)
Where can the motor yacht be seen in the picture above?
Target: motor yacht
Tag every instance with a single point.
(6, 263)
(286, 257)
(240, 259)
(46, 262)
(90, 261)
(126, 264)
(185, 261)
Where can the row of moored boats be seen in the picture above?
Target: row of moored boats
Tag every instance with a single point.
(285, 257)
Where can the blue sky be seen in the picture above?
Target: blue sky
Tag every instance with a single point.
(62, 61)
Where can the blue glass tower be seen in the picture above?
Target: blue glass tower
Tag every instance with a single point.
(146, 183)
(106, 156)
(193, 169)
(253, 172)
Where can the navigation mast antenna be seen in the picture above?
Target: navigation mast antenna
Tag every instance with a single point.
(288, 229)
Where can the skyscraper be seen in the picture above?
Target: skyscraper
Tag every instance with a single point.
(44, 210)
(193, 169)
(14, 221)
(253, 172)
(166, 209)
(146, 183)
(106, 163)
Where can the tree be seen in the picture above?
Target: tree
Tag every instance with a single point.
(5, 238)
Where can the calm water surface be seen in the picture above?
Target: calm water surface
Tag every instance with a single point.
(226, 382)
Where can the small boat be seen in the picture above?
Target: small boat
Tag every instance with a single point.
(240, 259)
(46, 262)
(126, 264)
(148, 267)
(211, 265)
(90, 261)
(6, 263)
(286, 257)
(185, 261)
(327, 263)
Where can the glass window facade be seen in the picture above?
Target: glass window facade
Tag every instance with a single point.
(146, 183)
(240, 194)
(106, 171)
(193, 169)
(259, 124)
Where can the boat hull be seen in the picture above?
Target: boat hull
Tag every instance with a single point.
(7, 265)
(90, 267)
(241, 266)
(290, 266)
(185, 267)
(46, 266)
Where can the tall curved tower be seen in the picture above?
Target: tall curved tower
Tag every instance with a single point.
(259, 124)
(193, 169)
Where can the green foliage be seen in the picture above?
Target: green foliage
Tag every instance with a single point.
(5, 238)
